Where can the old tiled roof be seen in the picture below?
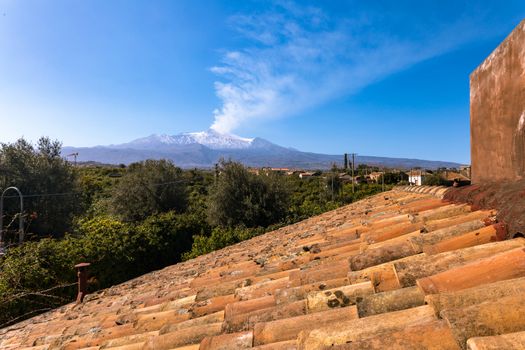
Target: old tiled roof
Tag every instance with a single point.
(452, 175)
(418, 173)
(400, 270)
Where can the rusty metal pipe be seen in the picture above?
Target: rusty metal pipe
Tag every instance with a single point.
(82, 281)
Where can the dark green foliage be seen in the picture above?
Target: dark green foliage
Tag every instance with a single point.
(309, 197)
(220, 237)
(95, 185)
(38, 275)
(40, 171)
(158, 241)
(242, 198)
(436, 180)
(149, 187)
(333, 183)
(392, 178)
(170, 235)
(127, 221)
(363, 191)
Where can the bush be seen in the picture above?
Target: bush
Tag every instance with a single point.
(40, 171)
(36, 277)
(116, 250)
(96, 185)
(436, 180)
(242, 198)
(147, 188)
(220, 237)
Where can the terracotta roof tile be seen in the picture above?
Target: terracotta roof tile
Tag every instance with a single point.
(494, 317)
(428, 335)
(363, 328)
(403, 270)
(393, 300)
(510, 341)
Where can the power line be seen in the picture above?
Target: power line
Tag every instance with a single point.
(353, 169)
(44, 195)
(78, 193)
(169, 183)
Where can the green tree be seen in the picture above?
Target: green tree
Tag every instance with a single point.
(95, 185)
(220, 237)
(393, 177)
(242, 198)
(47, 180)
(149, 187)
(436, 180)
(333, 183)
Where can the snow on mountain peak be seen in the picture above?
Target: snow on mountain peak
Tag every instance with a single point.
(209, 138)
(154, 139)
(216, 140)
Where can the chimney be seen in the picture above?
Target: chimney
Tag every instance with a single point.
(82, 281)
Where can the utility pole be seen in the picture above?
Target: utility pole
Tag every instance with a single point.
(383, 182)
(353, 167)
(346, 162)
(74, 155)
(333, 187)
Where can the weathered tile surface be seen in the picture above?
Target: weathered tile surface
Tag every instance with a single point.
(400, 270)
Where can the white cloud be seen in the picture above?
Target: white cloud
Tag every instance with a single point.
(299, 58)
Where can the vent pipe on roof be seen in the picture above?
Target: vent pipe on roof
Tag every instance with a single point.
(82, 281)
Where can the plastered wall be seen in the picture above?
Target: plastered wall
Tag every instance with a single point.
(497, 112)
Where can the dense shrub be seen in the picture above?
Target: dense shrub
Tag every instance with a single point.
(136, 219)
(116, 250)
(220, 237)
(147, 188)
(242, 198)
(36, 277)
(95, 185)
(436, 180)
(40, 172)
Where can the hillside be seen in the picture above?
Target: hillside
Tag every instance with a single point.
(204, 149)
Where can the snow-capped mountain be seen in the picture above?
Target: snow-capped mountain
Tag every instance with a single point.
(209, 138)
(204, 149)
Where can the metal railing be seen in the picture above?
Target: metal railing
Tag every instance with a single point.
(21, 217)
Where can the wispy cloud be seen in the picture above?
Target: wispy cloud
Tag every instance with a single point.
(298, 58)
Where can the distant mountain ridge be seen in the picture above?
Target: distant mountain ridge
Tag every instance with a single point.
(203, 149)
(209, 138)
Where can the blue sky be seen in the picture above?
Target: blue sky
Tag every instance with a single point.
(385, 78)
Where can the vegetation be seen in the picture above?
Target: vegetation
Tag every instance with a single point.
(435, 180)
(242, 198)
(127, 221)
(35, 170)
(148, 188)
(38, 275)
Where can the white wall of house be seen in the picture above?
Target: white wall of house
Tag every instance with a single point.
(416, 179)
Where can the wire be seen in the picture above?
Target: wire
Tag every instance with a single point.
(44, 195)
(169, 183)
(78, 193)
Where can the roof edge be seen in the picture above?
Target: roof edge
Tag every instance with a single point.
(505, 197)
(436, 191)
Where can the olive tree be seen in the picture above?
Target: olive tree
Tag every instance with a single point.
(47, 181)
(242, 198)
(147, 188)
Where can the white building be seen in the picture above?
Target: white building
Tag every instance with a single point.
(417, 177)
